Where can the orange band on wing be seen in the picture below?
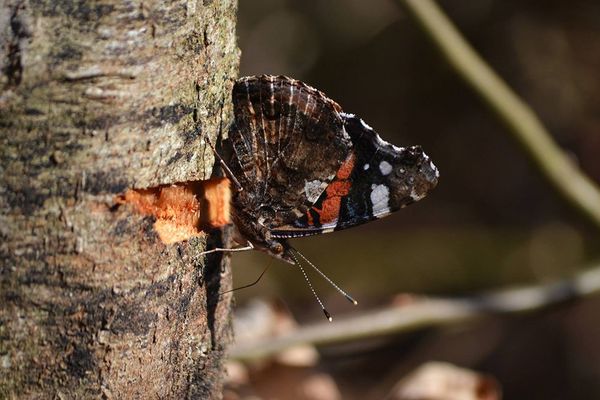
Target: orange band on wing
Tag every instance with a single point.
(338, 188)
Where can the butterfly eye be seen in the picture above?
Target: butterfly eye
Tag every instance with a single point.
(277, 248)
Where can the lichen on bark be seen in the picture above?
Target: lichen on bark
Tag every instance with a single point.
(97, 97)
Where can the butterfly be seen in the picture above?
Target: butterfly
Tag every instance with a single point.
(302, 166)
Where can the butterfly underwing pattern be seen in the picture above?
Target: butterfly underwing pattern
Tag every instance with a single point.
(305, 167)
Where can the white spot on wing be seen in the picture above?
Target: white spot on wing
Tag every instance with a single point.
(313, 190)
(380, 199)
(385, 168)
(366, 166)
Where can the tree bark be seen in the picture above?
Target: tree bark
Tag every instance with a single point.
(97, 97)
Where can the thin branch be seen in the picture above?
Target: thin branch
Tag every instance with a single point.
(581, 192)
(426, 312)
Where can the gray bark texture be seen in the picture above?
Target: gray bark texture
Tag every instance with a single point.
(96, 97)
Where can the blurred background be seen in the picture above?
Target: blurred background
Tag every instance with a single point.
(493, 221)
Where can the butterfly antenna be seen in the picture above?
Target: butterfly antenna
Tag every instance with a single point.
(249, 284)
(339, 289)
(312, 289)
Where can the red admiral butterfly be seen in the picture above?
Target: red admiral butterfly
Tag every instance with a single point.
(304, 167)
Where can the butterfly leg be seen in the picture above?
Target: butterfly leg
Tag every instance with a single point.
(249, 246)
(223, 164)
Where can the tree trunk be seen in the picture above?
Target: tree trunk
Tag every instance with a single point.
(97, 97)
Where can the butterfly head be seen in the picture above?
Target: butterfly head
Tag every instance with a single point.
(279, 249)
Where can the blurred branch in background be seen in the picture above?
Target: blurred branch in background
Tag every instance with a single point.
(423, 312)
(563, 174)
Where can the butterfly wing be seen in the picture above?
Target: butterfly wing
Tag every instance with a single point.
(287, 142)
(376, 179)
